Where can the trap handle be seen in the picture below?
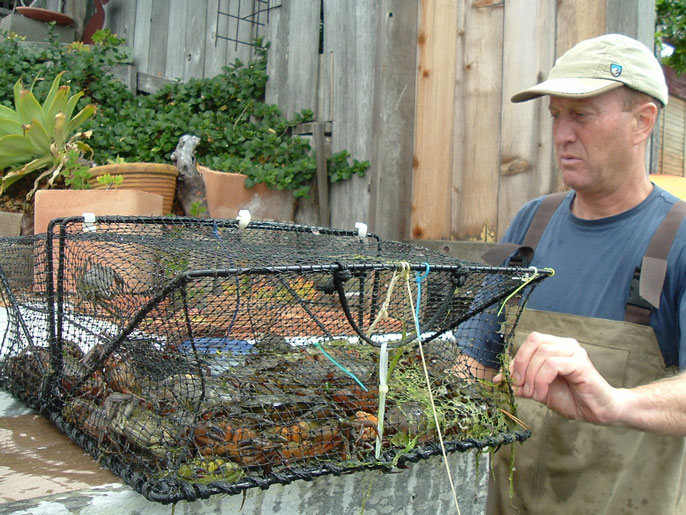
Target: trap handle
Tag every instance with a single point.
(342, 274)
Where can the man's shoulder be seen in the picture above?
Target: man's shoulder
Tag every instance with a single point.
(523, 218)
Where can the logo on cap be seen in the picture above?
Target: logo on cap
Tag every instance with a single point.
(615, 70)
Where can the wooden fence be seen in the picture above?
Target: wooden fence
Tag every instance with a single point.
(420, 88)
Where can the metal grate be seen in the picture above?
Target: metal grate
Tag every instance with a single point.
(247, 18)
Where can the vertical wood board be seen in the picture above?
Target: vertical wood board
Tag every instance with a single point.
(578, 20)
(393, 120)
(159, 32)
(349, 34)
(294, 57)
(194, 36)
(175, 48)
(141, 43)
(474, 206)
(526, 167)
(121, 19)
(216, 49)
(431, 192)
(635, 18)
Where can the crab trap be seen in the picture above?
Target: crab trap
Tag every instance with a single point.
(194, 357)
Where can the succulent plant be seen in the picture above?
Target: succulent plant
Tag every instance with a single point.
(41, 138)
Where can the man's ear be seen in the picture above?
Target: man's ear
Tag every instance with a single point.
(645, 116)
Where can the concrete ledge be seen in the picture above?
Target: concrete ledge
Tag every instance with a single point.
(10, 223)
(466, 250)
(34, 30)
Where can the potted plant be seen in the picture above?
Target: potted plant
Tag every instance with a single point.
(238, 131)
(43, 143)
(157, 178)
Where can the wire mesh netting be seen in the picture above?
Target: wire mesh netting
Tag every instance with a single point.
(194, 357)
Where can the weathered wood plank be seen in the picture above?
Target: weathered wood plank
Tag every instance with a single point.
(393, 120)
(578, 20)
(194, 35)
(349, 33)
(216, 48)
(293, 57)
(159, 32)
(150, 83)
(635, 18)
(478, 108)
(434, 122)
(141, 43)
(121, 19)
(176, 44)
(526, 163)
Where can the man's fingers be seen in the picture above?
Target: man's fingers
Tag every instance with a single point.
(541, 359)
(536, 349)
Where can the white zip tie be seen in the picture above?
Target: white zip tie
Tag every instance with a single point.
(89, 222)
(243, 218)
(383, 389)
(361, 229)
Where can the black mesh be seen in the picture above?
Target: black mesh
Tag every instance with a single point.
(193, 357)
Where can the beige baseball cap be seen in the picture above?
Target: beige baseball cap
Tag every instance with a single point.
(601, 64)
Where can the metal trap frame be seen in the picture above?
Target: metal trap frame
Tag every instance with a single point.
(195, 356)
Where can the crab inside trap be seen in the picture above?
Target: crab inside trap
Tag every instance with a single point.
(194, 357)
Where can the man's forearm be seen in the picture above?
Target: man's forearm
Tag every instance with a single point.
(658, 407)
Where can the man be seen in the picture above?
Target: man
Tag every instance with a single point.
(600, 375)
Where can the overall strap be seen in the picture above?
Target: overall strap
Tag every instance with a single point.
(525, 252)
(648, 279)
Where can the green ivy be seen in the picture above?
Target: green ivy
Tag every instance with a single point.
(238, 131)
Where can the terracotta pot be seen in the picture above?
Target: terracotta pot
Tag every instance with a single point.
(226, 195)
(151, 177)
(51, 204)
(129, 261)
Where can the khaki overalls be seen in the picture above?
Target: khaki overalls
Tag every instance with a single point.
(570, 467)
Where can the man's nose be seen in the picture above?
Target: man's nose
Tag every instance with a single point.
(563, 130)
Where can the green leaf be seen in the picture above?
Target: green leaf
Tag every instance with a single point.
(27, 169)
(28, 108)
(39, 137)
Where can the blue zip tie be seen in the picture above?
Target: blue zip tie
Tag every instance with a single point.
(341, 366)
(419, 279)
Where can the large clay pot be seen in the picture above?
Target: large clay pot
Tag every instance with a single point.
(51, 204)
(226, 195)
(155, 178)
(129, 260)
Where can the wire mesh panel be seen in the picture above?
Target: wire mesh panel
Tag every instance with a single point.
(194, 357)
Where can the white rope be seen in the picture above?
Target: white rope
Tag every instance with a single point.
(431, 397)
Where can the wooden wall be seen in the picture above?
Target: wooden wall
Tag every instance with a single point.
(478, 157)
(420, 88)
(671, 158)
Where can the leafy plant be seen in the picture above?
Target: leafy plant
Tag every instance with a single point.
(671, 27)
(42, 138)
(110, 181)
(239, 131)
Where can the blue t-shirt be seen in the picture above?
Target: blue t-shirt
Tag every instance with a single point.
(594, 261)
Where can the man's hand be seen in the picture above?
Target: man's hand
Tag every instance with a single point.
(557, 372)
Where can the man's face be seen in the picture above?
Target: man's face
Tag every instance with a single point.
(592, 141)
